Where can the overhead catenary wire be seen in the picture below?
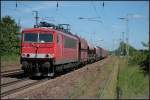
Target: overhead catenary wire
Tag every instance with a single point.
(40, 18)
(95, 10)
(24, 4)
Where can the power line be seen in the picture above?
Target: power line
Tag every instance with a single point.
(95, 9)
(46, 19)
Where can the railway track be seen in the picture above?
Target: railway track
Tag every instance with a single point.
(12, 82)
(20, 85)
(14, 86)
(11, 72)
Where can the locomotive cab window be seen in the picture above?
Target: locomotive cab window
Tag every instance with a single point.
(30, 37)
(45, 38)
(35, 37)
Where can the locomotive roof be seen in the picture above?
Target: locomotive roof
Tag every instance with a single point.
(47, 30)
(38, 29)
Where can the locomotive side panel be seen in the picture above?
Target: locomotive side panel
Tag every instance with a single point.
(70, 49)
(66, 49)
(59, 48)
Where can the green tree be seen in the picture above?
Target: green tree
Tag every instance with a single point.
(9, 31)
(121, 50)
(145, 62)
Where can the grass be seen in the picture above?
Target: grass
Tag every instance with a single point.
(92, 85)
(109, 91)
(9, 59)
(132, 82)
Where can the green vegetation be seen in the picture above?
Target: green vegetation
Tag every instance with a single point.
(136, 57)
(132, 82)
(11, 59)
(9, 44)
(9, 31)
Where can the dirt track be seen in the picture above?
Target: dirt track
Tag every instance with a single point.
(85, 82)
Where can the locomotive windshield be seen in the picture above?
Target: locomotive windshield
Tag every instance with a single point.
(42, 38)
(31, 37)
(45, 37)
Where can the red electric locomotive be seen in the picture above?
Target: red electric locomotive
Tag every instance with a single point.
(42, 49)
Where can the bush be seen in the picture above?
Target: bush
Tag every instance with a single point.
(137, 57)
(144, 64)
(141, 58)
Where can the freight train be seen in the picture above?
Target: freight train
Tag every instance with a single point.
(48, 49)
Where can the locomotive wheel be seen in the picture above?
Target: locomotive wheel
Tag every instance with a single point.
(25, 66)
(48, 69)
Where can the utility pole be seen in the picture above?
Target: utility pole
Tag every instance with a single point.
(114, 47)
(127, 37)
(127, 34)
(123, 46)
(36, 18)
(120, 49)
(19, 25)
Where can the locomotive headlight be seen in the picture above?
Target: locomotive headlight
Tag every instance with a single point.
(49, 55)
(25, 55)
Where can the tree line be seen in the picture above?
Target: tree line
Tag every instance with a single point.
(139, 57)
(9, 43)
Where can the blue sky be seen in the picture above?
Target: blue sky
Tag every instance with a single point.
(106, 34)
